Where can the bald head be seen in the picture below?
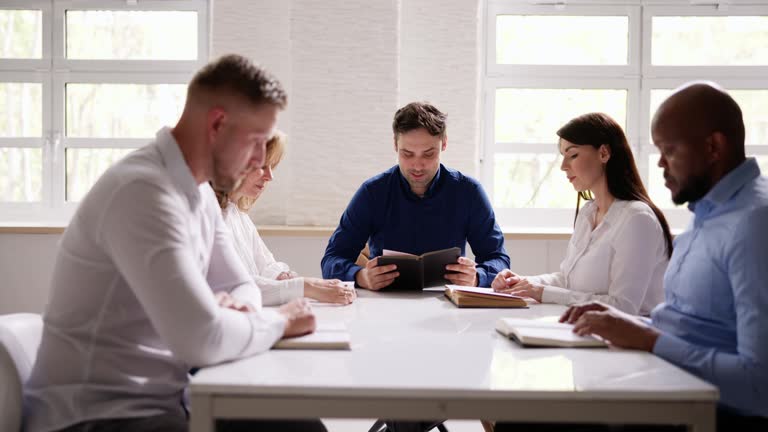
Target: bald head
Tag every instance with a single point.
(700, 109)
(699, 131)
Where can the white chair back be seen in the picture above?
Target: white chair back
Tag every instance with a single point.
(19, 339)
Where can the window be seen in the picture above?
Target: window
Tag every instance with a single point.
(71, 105)
(547, 63)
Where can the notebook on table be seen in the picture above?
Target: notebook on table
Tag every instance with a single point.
(472, 297)
(528, 332)
(325, 337)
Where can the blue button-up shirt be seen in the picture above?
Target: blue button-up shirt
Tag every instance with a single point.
(714, 321)
(385, 213)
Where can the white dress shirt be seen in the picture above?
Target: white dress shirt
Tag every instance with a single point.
(621, 262)
(132, 304)
(259, 261)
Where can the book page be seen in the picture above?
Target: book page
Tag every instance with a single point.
(544, 333)
(532, 323)
(387, 252)
(484, 291)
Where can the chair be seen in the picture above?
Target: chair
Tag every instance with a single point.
(19, 339)
(363, 257)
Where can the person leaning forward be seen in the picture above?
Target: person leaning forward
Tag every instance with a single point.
(147, 284)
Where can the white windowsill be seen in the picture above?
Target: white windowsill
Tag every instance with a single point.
(510, 233)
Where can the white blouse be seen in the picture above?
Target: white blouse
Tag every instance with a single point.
(621, 262)
(259, 261)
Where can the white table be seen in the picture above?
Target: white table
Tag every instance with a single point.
(415, 356)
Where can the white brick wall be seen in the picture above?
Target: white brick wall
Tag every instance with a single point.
(260, 30)
(348, 65)
(440, 62)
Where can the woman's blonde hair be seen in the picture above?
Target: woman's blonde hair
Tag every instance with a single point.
(275, 151)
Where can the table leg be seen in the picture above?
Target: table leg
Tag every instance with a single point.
(201, 416)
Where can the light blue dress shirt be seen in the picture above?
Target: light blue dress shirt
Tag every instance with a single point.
(714, 322)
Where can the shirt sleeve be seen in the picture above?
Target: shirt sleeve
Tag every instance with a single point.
(226, 271)
(265, 262)
(741, 376)
(271, 292)
(485, 239)
(150, 245)
(638, 249)
(554, 283)
(349, 238)
(278, 292)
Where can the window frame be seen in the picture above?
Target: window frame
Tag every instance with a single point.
(55, 71)
(639, 76)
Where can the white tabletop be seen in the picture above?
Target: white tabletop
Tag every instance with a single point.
(419, 345)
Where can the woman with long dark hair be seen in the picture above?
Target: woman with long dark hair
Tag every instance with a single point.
(621, 243)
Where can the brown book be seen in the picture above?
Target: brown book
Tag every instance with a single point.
(471, 297)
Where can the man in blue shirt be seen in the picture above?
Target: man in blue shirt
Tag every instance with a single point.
(417, 206)
(714, 320)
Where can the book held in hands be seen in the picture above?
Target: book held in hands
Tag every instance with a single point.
(419, 271)
(472, 297)
(528, 332)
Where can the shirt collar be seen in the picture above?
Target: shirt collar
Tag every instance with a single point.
(431, 190)
(178, 170)
(728, 186)
(590, 208)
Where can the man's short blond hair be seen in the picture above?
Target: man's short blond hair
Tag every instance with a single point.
(235, 75)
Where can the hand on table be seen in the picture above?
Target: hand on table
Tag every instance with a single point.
(300, 318)
(329, 291)
(510, 283)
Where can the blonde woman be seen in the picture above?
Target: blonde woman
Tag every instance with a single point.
(277, 282)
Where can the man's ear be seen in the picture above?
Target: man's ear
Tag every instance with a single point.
(214, 122)
(444, 145)
(717, 146)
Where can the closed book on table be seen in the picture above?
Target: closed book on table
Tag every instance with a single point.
(528, 332)
(472, 297)
(326, 337)
(419, 271)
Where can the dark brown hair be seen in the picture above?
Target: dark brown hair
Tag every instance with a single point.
(237, 75)
(624, 183)
(417, 115)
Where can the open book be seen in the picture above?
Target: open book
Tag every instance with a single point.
(529, 332)
(419, 271)
(326, 337)
(464, 296)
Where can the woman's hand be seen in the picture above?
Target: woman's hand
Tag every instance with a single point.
(329, 291)
(225, 300)
(287, 275)
(510, 283)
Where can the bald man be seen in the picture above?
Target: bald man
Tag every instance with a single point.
(714, 320)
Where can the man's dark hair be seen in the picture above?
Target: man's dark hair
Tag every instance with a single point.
(417, 115)
(237, 75)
